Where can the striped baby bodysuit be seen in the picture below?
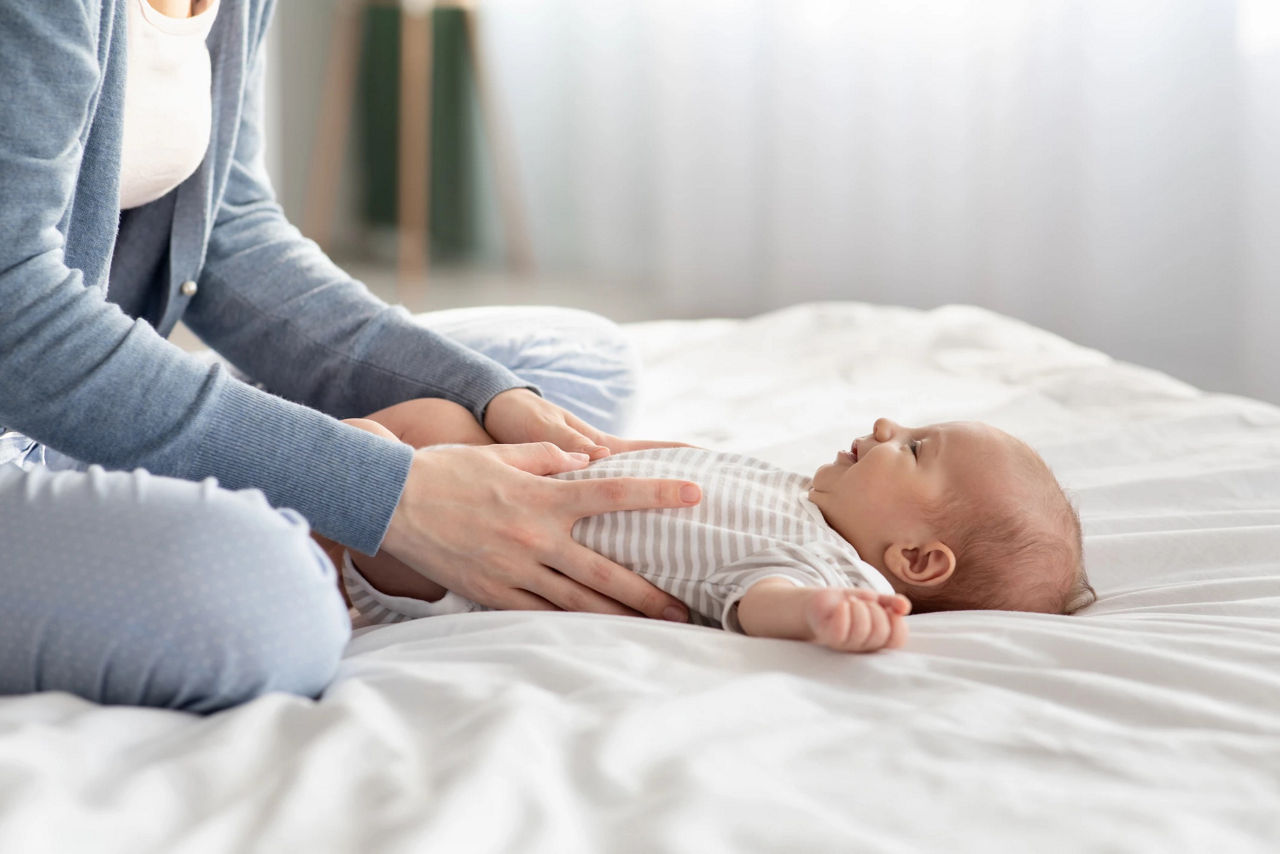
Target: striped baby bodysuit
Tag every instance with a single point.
(755, 521)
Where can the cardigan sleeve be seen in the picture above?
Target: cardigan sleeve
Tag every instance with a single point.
(277, 308)
(81, 376)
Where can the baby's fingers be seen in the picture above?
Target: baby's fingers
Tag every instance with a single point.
(897, 632)
(894, 603)
(877, 626)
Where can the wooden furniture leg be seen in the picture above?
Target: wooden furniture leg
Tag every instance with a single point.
(413, 190)
(413, 195)
(328, 146)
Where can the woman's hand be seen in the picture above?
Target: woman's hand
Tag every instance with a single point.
(517, 416)
(483, 522)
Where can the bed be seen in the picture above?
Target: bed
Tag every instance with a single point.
(1149, 722)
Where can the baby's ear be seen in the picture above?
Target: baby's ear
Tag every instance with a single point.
(921, 566)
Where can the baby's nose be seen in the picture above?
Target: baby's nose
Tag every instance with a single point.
(883, 429)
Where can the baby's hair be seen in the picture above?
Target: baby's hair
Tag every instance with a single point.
(1014, 553)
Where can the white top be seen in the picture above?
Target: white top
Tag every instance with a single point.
(755, 521)
(168, 107)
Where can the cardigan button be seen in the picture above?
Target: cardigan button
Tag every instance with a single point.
(188, 288)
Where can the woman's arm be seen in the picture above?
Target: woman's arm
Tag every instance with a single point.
(501, 558)
(80, 375)
(273, 304)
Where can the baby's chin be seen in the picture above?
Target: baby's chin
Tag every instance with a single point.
(827, 471)
(831, 466)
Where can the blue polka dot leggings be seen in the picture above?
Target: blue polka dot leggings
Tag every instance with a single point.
(129, 588)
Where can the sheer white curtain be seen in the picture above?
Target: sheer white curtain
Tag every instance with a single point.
(1103, 168)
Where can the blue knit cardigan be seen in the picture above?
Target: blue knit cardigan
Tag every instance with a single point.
(88, 294)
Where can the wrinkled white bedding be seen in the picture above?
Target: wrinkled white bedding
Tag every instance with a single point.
(1151, 722)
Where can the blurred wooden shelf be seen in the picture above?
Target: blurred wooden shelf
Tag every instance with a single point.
(413, 185)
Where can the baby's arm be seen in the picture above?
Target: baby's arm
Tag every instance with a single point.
(850, 620)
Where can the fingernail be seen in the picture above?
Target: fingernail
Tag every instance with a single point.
(579, 458)
(598, 451)
(690, 493)
(675, 614)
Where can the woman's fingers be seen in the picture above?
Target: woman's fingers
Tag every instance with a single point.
(572, 434)
(519, 415)
(514, 599)
(588, 581)
(615, 444)
(539, 458)
(595, 583)
(618, 446)
(611, 494)
(604, 585)
(473, 520)
(563, 592)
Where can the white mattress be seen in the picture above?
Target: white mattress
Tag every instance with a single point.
(1151, 722)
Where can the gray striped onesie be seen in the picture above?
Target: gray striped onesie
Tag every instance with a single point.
(755, 521)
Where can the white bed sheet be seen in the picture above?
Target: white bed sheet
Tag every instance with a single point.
(1151, 722)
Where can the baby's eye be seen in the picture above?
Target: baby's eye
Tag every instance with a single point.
(915, 448)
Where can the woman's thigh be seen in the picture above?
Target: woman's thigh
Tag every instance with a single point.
(123, 587)
(580, 360)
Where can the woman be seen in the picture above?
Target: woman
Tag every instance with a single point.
(133, 194)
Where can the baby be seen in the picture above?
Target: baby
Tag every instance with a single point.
(945, 517)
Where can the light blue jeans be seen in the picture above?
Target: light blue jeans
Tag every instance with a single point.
(128, 588)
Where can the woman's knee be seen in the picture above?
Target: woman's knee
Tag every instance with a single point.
(129, 589)
(590, 367)
(257, 606)
(605, 341)
(581, 360)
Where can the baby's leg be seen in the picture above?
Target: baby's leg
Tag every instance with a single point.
(418, 422)
(850, 620)
(431, 421)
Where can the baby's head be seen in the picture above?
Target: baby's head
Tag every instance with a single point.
(957, 516)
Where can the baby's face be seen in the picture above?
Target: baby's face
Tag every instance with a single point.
(878, 491)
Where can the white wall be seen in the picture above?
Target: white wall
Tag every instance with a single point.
(1103, 168)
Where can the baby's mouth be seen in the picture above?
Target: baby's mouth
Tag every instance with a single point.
(853, 450)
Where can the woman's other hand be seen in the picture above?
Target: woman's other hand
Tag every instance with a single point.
(518, 416)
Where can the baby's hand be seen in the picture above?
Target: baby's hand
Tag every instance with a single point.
(857, 620)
